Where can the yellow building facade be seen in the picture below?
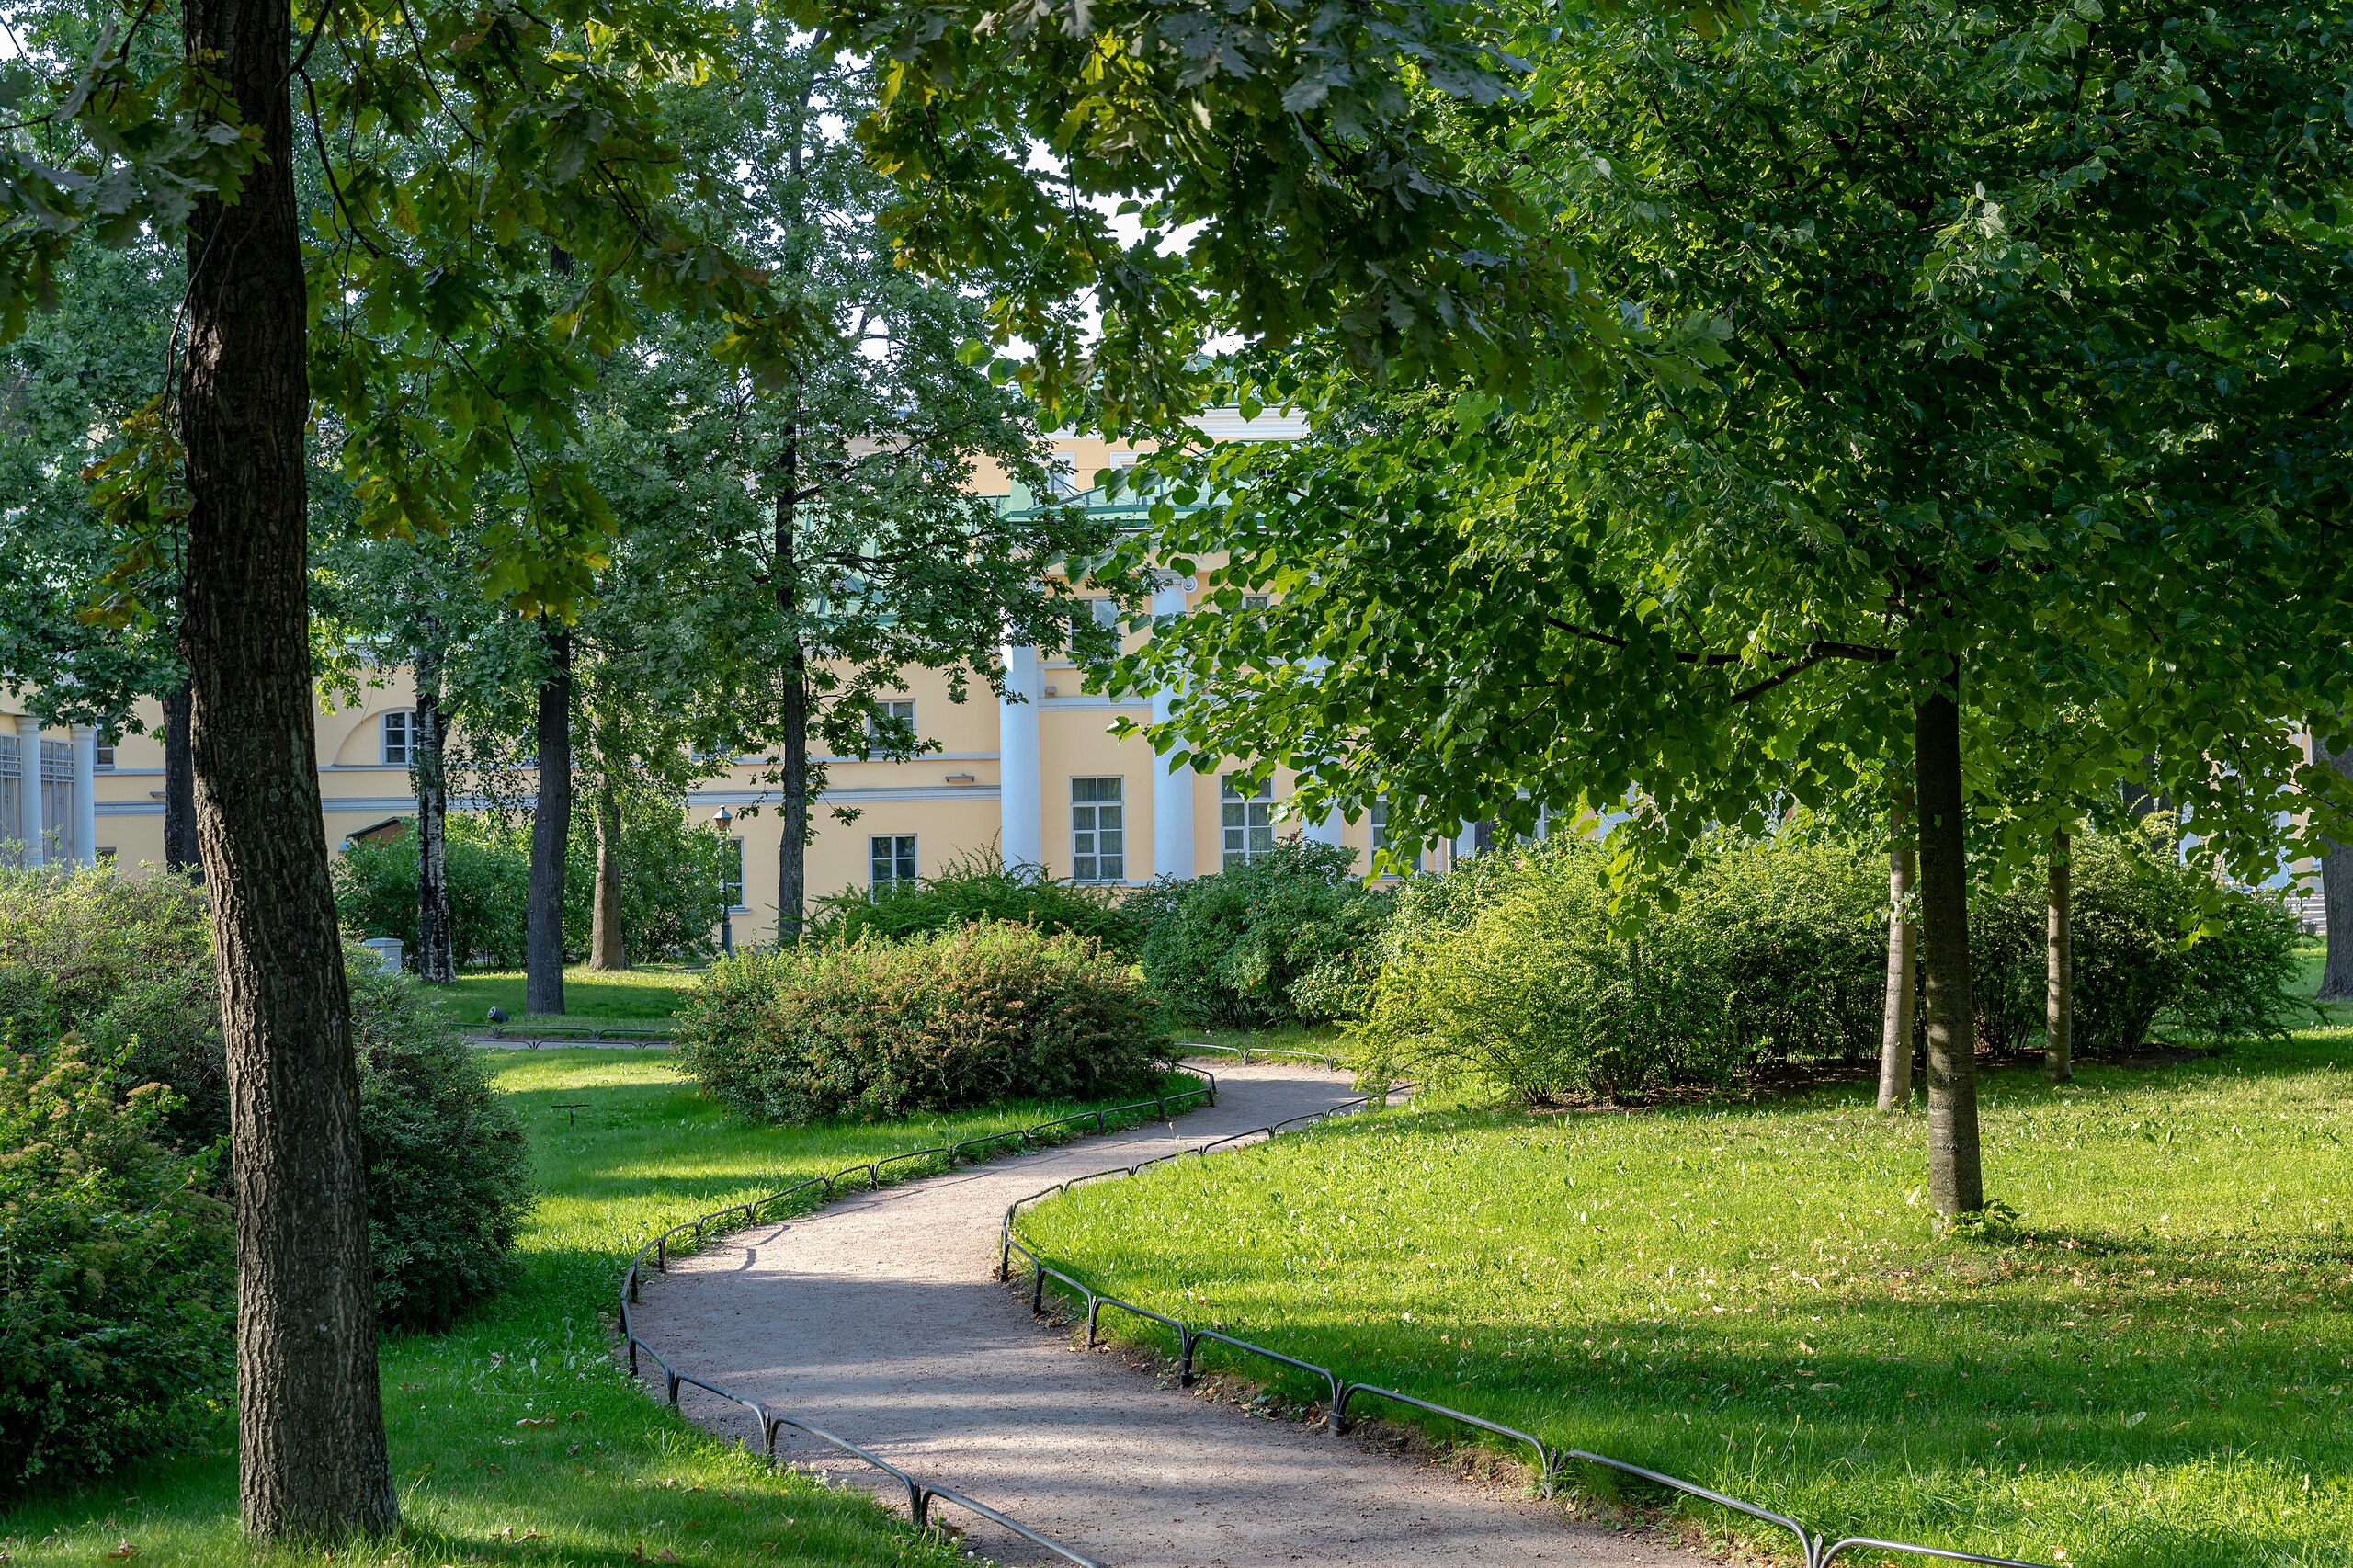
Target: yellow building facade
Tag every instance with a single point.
(1037, 777)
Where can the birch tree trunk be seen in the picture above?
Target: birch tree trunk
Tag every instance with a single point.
(1956, 1180)
(2059, 978)
(1902, 946)
(312, 1457)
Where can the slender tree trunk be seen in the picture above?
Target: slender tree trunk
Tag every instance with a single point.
(1956, 1183)
(312, 1459)
(2059, 977)
(551, 832)
(1902, 946)
(180, 852)
(2336, 892)
(436, 956)
(608, 945)
(792, 848)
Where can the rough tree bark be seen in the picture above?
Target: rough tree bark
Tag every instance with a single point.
(2337, 894)
(2059, 968)
(1956, 1183)
(436, 956)
(1902, 947)
(550, 831)
(792, 847)
(180, 852)
(310, 1419)
(608, 945)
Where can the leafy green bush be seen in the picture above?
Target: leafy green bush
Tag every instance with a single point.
(976, 888)
(98, 954)
(960, 1017)
(117, 1285)
(1289, 939)
(126, 963)
(449, 1173)
(671, 873)
(2157, 939)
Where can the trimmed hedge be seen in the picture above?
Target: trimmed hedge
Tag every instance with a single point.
(971, 1016)
(117, 1290)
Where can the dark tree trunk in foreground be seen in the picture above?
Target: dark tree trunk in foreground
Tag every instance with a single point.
(310, 1419)
(551, 832)
(180, 851)
(2336, 895)
(436, 956)
(608, 946)
(792, 847)
(1956, 1185)
(1902, 950)
(2059, 975)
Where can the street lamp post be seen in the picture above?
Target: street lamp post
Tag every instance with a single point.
(725, 821)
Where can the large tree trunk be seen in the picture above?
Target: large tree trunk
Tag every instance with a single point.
(1902, 946)
(310, 1419)
(180, 851)
(436, 956)
(792, 847)
(2336, 892)
(608, 945)
(551, 832)
(1956, 1184)
(2059, 972)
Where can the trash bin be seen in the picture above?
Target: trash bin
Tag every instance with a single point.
(388, 953)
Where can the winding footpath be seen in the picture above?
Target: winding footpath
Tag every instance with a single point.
(879, 1318)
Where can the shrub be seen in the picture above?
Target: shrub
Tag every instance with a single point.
(871, 1029)
(449, 1173)
(126, 963)
(117, 1287)
(978, 887)
(2156, 939)
(670, 885)
(1289, 939)
(100, 954)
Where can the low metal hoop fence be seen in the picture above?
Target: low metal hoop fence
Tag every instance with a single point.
(1816, 1550)
(923, 1498)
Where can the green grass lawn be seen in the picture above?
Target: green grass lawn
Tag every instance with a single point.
(2151, 1371)
(637, 999)
(617, 1478)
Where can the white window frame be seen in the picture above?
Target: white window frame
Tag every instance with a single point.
(1094, 818)
(1246, 823)
(730, 878)
(393, 753)
(905, 866)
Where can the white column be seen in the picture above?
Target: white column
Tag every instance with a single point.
(85, 795)
(1466, 843)
(1172, 783)
(36, 827)
(1020, 799)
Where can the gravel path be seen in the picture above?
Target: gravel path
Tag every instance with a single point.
(878, 1318)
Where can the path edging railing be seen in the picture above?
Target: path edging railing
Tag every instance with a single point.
(1817, 1551)
(921, 1495)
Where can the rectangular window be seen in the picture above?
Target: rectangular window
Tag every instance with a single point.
(1098, 837)
(57, 800)
(1256, 601)
(891, 725)
(891, 858)
(105, 763)
(11, 799)
(397, 738)
(1379, 823)
(730, 873)
(1249, 822)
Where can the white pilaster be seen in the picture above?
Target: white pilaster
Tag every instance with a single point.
(35, 828)
(85, 795)
(1327, 831)
(1466, 843)
(1172, 783)
(1020, 782)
